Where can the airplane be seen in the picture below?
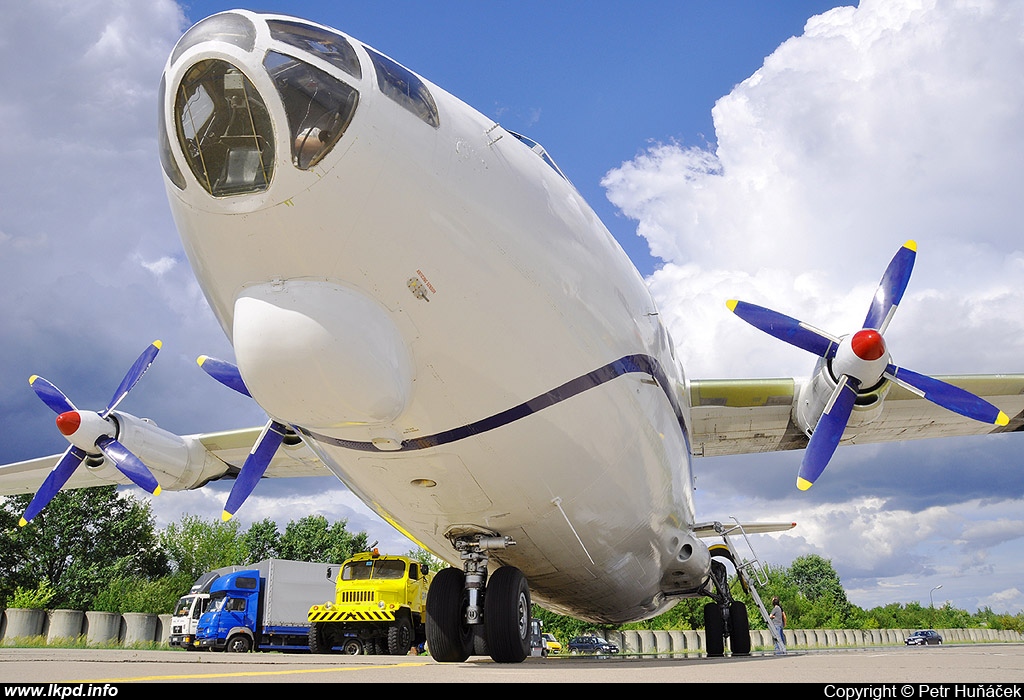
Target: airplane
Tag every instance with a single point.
(426, 308)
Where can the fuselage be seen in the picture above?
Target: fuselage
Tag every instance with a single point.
(433, 307)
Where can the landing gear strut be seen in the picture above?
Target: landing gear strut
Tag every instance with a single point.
(725, 617)
(470, 613)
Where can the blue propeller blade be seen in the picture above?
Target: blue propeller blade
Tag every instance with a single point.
(255, 466)
(53, 483)
(129, 465)
(891, 288)
(225, 373)
(827, 433)
(133, 376)
(51, 395)
(948, 396)
(786, 328)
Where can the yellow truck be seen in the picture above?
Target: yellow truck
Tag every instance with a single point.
(378, 607)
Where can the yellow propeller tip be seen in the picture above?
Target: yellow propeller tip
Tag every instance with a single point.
(157, 491)
(732, 304)
(22, 522)
(226, 516)
(911, 245)
(1002, 419)
(158, 344)
(201, 359)
(803, 484)
(33, 378)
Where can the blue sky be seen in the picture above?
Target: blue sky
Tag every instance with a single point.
(774, 152)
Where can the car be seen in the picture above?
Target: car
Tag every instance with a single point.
(591, 644)
(553, 645)
(923, 637)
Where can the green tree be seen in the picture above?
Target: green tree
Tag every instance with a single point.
(312, 539)
(78, 542)
(262, 541)
(195, 546)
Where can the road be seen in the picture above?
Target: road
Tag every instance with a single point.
(956, 664)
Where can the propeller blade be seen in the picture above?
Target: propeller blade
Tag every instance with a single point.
(891, 288)
(133, 376)
(224, 372)
(53, 483)
(786, 328)
(948, 396)
(129, 465)
(51, 395)
(255, 466)
(827, 433)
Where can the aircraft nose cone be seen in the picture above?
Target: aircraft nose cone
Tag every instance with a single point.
(69, 422)
(320, 355)
(868, 345)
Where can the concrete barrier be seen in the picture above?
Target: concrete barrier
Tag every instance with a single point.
(139, 628)
(102, 627)
(65, 624)
(24, 622)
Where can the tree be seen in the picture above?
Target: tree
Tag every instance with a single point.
(262, 541)
(312, 539)
(78, 543)
(196, 546)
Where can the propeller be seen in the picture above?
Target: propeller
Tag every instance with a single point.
(266, 445)
(88, 431)
(861, 360)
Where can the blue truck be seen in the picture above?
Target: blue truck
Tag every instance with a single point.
(264, 607)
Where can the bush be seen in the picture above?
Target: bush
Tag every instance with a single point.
(36, 599)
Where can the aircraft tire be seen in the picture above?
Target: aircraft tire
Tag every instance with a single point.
(449, 638)
(739, 636)
(714, 630)
(507, 612)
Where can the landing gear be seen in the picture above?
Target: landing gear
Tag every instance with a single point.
(725, 617)
(468, 614)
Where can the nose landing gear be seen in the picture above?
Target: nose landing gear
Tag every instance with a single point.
(469, 612)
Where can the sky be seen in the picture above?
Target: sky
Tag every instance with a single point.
(778, 153)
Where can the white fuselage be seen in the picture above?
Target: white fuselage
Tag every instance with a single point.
(395, 301)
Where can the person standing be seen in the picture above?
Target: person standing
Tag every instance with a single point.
(778, 617)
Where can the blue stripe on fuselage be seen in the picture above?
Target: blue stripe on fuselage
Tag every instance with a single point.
(626, 365)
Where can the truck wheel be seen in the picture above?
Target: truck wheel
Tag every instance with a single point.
(449, 638)
(239, 644)
(507, 615)
(352, 647)
(400, 637)
(319, 639)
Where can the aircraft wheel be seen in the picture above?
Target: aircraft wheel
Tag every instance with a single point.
(714, 630)
(400, 637)
(739, 636)
(449, 638)
(507, 613)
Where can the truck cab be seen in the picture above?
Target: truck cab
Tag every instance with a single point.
(378, 607)
(232, 615)
(188, 610)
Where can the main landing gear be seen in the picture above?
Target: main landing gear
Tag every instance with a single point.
(471, 613)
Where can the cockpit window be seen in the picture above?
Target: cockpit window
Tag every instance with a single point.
(402, 86)
(228, 26)
(539, 150)
(166, 159)
(323, 44)
(319, 107)
(224, 129)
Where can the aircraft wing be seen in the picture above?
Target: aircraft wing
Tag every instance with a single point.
(222, 456)
(740, 416)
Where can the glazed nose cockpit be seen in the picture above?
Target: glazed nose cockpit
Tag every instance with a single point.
(224, 124)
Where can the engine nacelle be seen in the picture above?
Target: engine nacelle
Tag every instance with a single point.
(816, 392)
(178, 463)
